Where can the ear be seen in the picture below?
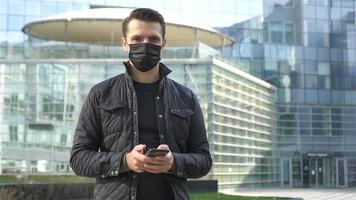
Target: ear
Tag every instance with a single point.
(124, 44)
(164, 43)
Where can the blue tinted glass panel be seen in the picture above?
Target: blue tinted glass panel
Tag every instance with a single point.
(324, 82)
(297, 80)
(336, 54)
(64, 7)
(311, 68)
(350, 83)
(336, 3)
(311, 96)
(3, 38)
(322, 40)
(347, 3)
(48, 8)
(33, 8)
(15, 22)
(309, 12)
(323, 54)
(3, 7)
(335, 13)
(310, 53)
(324, 96)
(16, 7)
(298, 95)
(351, 69)
(338, 96)
(3, 22)
(311, 81)
(15, 36)
(322, 12)
(276, 32)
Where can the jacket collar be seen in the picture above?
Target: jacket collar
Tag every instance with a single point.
(163, 70)
(113, 97)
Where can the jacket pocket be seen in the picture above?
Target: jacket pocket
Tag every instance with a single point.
(112, 118)
(183, 113)
(180, 122)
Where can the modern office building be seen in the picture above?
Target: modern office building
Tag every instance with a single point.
(60, 64)
(278, 103)
(307, 50)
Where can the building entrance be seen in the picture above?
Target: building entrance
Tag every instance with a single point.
(316, 172)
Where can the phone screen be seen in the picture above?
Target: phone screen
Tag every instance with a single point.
(156, 152)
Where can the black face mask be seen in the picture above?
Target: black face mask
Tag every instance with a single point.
(144, 55)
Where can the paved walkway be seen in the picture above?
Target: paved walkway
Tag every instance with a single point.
(305, 194)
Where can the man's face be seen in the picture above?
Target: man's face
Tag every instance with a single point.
(143, 32)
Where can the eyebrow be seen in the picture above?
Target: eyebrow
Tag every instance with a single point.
(150, 37)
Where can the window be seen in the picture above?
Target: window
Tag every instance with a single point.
(323, 68)
(297, 80)
(48, 8)
(336, 3)
(323, 82)
(265, 32)
(16, 7)
(15, 22)
(63, 139)
(311, 96)
(289, 33)
(3, 7)
(13, 133)
(311, 68)
(311, 81)
(3, 22)
(32, 8)
(338, 96)
(276, 32)
(289, 4)
(15, 36)
(324, 96)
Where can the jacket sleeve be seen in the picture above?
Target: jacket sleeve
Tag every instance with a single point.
(197, 162)
(85, 158)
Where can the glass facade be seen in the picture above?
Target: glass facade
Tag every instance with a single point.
(42, 99)
(305, 48)
(244, 129)
(305, 137)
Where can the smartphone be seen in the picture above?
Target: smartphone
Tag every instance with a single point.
(156, 152)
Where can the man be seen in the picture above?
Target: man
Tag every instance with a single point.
(126, 115)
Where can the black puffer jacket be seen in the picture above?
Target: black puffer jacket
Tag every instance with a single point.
(108, 127)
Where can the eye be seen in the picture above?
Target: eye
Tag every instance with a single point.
(154, 39)
(135, 39)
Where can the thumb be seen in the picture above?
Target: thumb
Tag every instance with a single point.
(140, 147)
(163, 146)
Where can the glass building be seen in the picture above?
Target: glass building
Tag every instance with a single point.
(307, 50)
(278, 104)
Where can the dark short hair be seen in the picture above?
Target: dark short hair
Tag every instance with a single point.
(146, 15)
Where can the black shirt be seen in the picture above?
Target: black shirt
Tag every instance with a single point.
(150, 186)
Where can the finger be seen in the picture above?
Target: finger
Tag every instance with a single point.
(162, 158)
(140, 148)
(155, 168)
(139, 166)
(153, 161)
(140, 158)
(163, 146)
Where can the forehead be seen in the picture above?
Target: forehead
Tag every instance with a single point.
(138, 27)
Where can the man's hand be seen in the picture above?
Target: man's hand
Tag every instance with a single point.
(135, 159)
(159, 164)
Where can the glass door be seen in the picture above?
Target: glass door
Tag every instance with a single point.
(341, 173)
(317, 172)
(313, 173)
(286, 175)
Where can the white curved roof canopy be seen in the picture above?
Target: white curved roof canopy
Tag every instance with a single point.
(103, 26)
